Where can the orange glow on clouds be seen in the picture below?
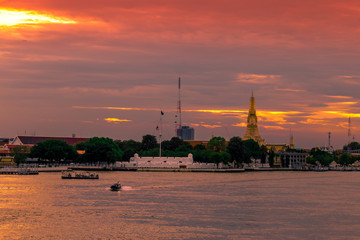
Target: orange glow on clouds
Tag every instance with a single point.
(243, 124)
(257, 78)
(17, 17)
(116, 120)
(205, 125)
(274, 127)
(340, 97)
(341, 103)
(330, 115)
(216, 111)
(118, 108)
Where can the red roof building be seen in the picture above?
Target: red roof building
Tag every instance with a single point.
(32, 140)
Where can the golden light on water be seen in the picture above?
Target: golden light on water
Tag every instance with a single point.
(14, 17)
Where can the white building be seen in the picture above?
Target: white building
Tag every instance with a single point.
(165, 162)
(293, 159)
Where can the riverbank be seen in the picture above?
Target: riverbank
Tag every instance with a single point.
(227, 170)
(220, 170)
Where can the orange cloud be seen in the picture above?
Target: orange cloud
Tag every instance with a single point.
(257, 78)
(349, 79)
(345, 97)
(341, 103)
(210, 126)
(217, 111)
(243, 124)
(290, 90)
(202, 124)
(277, 117)
(118, 108)
(116, 120)
(313, 121)
(274, 127)
(337, 114)
(12, 17)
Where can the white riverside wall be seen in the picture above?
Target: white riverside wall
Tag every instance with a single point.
(165, 162)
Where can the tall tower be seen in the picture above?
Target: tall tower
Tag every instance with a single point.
(292, 145)
(178, 123)
(349, 130)
(252, 131)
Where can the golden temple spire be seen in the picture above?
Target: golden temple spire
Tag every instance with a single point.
(252, 131)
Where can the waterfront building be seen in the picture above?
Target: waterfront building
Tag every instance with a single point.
(166, 162)
(277, 147)
(293, 160)
(252, 131)
(6, 161)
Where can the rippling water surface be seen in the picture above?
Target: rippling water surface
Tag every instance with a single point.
(258, 205)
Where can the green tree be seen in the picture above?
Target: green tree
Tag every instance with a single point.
(102, 150)
(131, 144)
(310, 160)
(225, 158)
(236, 149)
(80, 146)
(53, 150)
(173, 144)
(119, 143)
(352, 146)
(201, 156)
(150, 153)
(251, 150)
(129, 147)
(271, 158)
(199, 147)
(149, 142)
(20, 154)
(345, 159)
(217, 144)
(220, 157)
(215, 157)
(263, 153)
(324, 158)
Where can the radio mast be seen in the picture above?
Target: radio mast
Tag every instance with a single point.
(349, 131)
(178, 123)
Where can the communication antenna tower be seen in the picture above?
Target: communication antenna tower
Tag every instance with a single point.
(329, 140)
(349, 130)
(178, 123)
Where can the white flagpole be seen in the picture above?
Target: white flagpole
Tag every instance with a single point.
(160, 135)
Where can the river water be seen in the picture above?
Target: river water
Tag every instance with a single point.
(257, 205)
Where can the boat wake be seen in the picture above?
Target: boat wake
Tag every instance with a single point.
(123, 188)
(126, 188)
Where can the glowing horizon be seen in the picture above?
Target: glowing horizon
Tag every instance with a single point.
(13, 17)
(116, 120)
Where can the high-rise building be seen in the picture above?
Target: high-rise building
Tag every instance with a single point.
(186, 133)
(252, 131)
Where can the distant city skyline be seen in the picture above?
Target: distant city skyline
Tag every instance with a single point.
(109, 69)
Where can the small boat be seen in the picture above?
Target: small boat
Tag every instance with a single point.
(79, 175)
(116, 187)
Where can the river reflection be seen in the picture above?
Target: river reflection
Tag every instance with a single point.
(258, 205)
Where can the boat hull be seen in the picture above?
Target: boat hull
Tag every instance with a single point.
(80, 177)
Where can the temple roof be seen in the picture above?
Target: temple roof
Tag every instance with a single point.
(32, 140)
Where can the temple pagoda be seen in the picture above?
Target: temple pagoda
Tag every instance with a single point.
(252, 131)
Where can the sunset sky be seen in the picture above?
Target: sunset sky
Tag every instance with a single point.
(107, 68)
